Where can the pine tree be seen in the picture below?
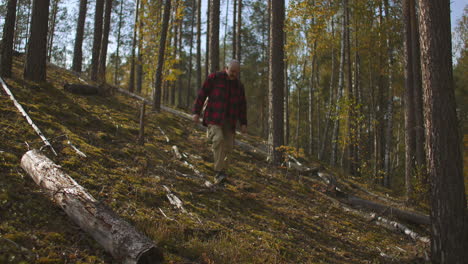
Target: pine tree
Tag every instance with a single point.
(36, 56)
(276, 81)
(214, 36)
(98, 17)
(449, 219)
(162, 50)
(78, 49)
(104, 42)
(6, 51)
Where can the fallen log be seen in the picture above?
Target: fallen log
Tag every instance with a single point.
(117, 236)
(23, 112)
(403, 215)
(390, 225)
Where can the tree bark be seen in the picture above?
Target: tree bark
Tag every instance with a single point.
(389, 127)
(199, 67)
(310, 144)
(286, 103)
(214, 36)
(350, 152)
(409, 98)
(325, 138)
(276, 81)
(336, 124)
(105, 42)
(225, 33)
(117, 236)
(139, 64)
(449, 227)
(78, 49)
(117, 52)
(234, 34)
(207, 39)
(36, 56)
(189, 81)
(131, 81)
(419, 152)
(162, 51)
(7, 40)
(51, 32)
(98, 16)
(239, 30)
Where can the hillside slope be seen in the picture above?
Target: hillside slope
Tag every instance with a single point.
(264, 215)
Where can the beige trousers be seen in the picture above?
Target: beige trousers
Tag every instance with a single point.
(222, 139)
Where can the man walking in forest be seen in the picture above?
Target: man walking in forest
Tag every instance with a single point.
(226, 105)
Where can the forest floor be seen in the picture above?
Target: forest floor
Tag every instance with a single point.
(265, 214)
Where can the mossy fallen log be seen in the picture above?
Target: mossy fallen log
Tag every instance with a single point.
(117, 236)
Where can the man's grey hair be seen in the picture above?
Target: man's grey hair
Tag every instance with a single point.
(232, 63)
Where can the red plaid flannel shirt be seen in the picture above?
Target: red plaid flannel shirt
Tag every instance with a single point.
(220, 97)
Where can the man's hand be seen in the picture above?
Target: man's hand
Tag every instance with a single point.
(243, 129)
(196, 118)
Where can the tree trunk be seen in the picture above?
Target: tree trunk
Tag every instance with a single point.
(105, 42)
(276, 80)
(286, 103)
(162, 50)
(350, 153)
(330, 98)
(51, 32)
(78, 49)
(97, 39)
(139, 64)
(310, 144)
(239, 30)
(199, 67)
(419, 152)
(389, 127)
(225, 33)
(409, 98)
(175, 28)
(36, 56)
(214, 36)
(298, 113)
(318, 108)
(117, 56)
(6, 54)
(189, 81)
(336, 124)
(179, 81)
(208, 24)
(234, 34)
(449, 227)
(131, 82)
(116, 235)
(358, 98)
